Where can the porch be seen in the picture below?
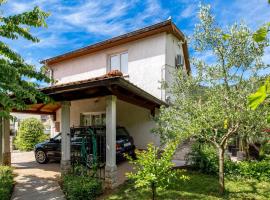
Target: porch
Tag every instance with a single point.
(119, 100)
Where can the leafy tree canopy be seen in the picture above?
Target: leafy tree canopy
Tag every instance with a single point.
(15, 73)
(212, 104)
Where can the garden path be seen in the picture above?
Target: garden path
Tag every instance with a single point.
(35, 181)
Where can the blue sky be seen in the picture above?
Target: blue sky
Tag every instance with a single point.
(77, 23)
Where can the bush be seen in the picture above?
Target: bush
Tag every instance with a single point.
(153, 169)
(204, 158)
(265, 151)
(253, 169)
(81, 187)
(31, 132)
(6, 182)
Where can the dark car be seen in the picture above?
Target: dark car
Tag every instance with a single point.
(51, 149)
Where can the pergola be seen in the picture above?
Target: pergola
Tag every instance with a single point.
(111, 87)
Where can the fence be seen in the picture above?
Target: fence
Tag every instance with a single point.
(88, 153)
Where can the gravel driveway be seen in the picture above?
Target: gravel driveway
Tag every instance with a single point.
(35, 181)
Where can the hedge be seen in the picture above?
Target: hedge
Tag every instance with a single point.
(81, 187)
(6, 182)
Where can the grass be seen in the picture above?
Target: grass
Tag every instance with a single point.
(199, 186)
(6, 182)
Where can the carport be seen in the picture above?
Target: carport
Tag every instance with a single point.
(111, 88)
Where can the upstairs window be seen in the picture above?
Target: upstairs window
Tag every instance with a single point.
(119, 62)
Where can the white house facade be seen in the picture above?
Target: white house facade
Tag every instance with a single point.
(90, 90)
(145, 62)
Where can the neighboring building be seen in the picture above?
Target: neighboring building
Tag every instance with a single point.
(19, 117)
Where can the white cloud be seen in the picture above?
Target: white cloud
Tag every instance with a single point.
(252, 12)
(110, 18)
(20, 7)
(73, 24)
(189, 11)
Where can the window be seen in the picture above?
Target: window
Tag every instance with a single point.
(93, 119)
(119, 62)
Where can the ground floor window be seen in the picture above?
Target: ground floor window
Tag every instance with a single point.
(93, 119)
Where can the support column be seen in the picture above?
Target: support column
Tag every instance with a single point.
(52, 124)
(111, 168)
(65, 137)
(6, 156)
(1, 140)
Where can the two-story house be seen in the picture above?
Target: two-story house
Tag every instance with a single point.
(88, 91)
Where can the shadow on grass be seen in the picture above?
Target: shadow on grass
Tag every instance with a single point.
(199, 186)
(248, 189)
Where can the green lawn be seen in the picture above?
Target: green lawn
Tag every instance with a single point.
(199, 186)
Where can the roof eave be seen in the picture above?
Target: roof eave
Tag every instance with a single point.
(166, 26)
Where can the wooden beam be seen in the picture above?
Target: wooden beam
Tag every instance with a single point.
(131, 98)
(42, 106)
(58, 107)
(35, 112)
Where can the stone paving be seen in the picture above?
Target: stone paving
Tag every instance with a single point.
(40, 182)
(35, 181)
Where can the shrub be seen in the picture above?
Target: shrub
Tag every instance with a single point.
(31, 132)
(265, 151)
(152, 169)
(81, 187)
(204, 158)
(6, 182)
(253, 169)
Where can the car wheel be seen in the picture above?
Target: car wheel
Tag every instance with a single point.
(41, 157)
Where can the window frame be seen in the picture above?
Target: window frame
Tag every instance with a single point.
(119, 56)
(91, 115)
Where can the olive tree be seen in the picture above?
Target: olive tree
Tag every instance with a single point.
(212, 103)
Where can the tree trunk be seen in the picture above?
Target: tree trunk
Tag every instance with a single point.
(221, 170)
(153, 191)
(255, 147)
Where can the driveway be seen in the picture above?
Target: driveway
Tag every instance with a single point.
(35, 181)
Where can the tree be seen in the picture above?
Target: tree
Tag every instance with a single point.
(152, 170)
(31, 132)
(261, 34)
(211, 104)
(15, 87)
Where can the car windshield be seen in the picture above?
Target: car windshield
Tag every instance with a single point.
(119, 132)
(57, 137)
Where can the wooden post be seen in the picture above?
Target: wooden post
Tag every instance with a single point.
(6, 156)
